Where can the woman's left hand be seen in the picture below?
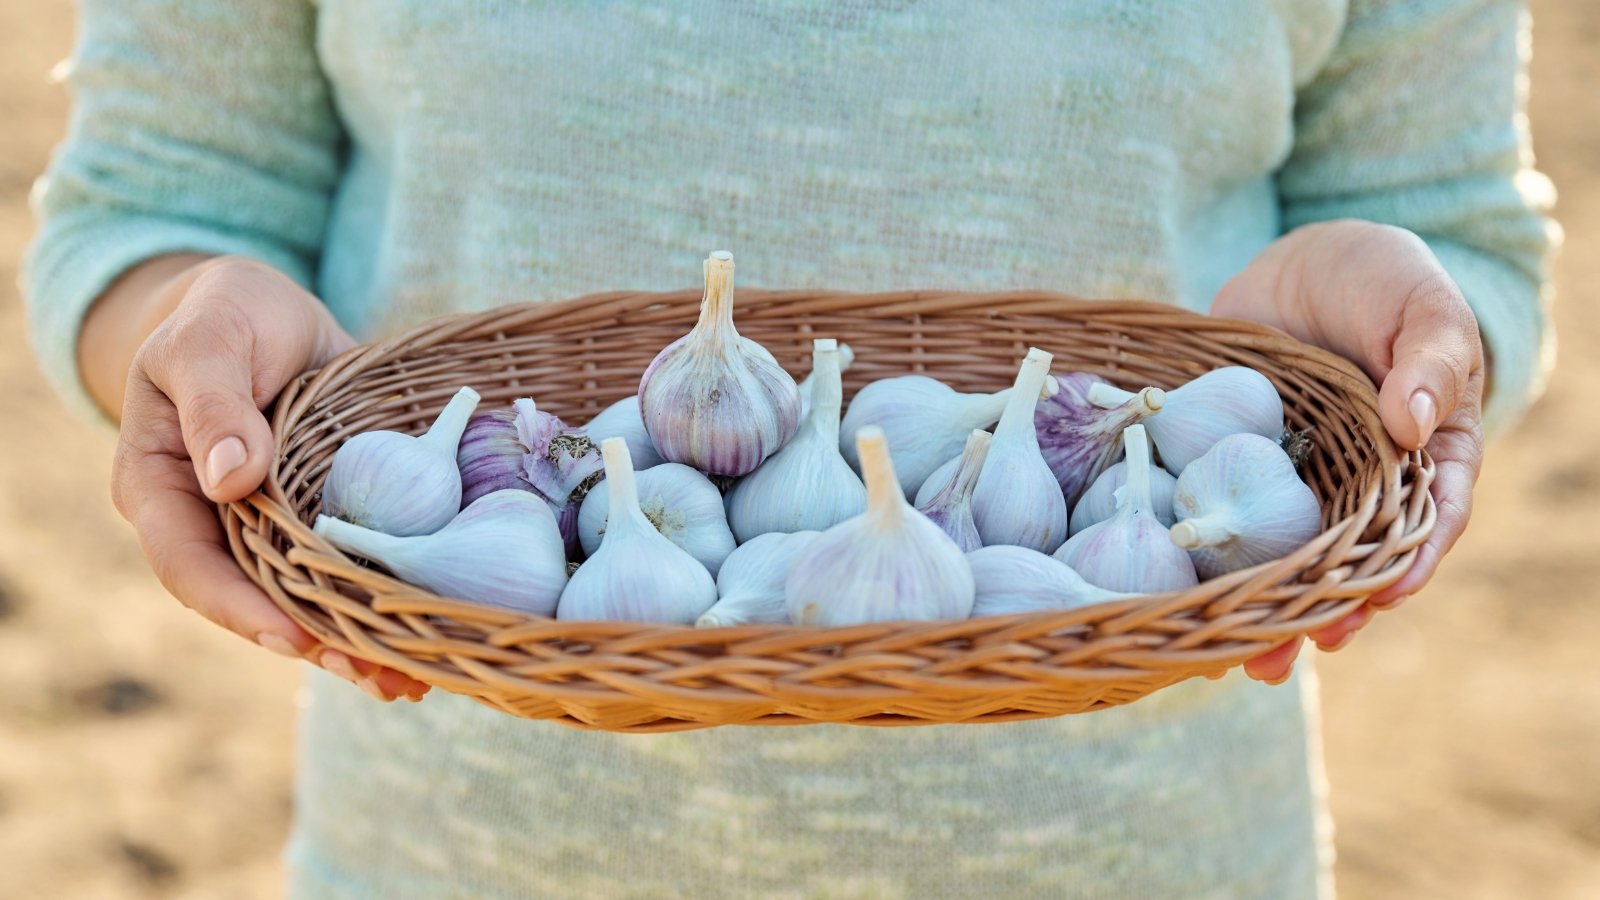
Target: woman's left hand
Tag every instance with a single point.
(1376, 295)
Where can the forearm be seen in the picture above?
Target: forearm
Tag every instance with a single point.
(124, 316)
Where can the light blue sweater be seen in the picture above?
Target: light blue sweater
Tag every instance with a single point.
(415, 157)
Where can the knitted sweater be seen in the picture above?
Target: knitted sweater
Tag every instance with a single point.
(413, 157)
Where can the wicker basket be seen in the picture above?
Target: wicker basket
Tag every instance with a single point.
(576, 356)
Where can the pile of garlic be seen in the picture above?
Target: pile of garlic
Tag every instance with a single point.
(733, 495)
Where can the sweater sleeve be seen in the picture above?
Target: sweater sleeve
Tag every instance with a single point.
(1417, 120)
(197, 126)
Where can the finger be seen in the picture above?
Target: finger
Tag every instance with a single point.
(1338, 634)
(381, 683)
(1274, 666)
(1452, 494)
(201, 363)
(1436, 353)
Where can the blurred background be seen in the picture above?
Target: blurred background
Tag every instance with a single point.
(144, 753)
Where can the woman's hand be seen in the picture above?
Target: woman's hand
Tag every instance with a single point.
(1375, 294)
(231, 334)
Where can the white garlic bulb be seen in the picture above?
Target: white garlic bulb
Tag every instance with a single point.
(1017, 500)
(399, 484)
(1019, 580)
(948, 502)
(887, 564)
(1242, 504)
(1231, 400)
(714, 400)
(927, 423)
(807, 385)
(622, 419)
(806, 486)
(636, 574)
(681, 503)
(750, 587)
(1079, 439)
(1099, 502)
(1130, 551)
(504, 550)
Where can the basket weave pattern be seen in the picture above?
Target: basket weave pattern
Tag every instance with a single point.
(577, 356)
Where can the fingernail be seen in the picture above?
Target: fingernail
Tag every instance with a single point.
(1392, 602)
(226, 455)
(339, 664)
(278, 644)
(1281, 678)
(1336, 647)
(1424, 412)
(371, 687)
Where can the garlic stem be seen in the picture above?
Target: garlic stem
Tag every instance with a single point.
(1137, 490)
(353, 538)
(1205, 531)
(1017, 418)
(886, 500)
(716, 307)
(445, 433)
(1106, 396)
(622, 488)
(827, 388)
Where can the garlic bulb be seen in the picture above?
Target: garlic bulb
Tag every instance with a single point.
(1018, 580)
(1131, 550)
(946, 497)
(1242, 504)
(1099, 502)
(399, 484)
(888, 564)
(681, 503)
(750, 585)
(1079, 439)
(927, 423)
(1017, 500)
(502, 550)
(714, 400)
(636, 574)
(847, 356)
(525, 448)
(806, 486)
(1231, 400)
(622, 419)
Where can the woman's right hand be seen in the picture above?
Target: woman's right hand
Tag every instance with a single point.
(193, 435)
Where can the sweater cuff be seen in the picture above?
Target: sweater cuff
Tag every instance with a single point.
(1513, 319)
(76, 257)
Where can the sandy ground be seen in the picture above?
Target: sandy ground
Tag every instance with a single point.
(144, 753)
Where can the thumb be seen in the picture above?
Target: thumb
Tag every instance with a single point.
(208, 378)
(1436, 352)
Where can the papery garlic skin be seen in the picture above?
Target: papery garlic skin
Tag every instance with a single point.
(1080, 440)
(847, 356)
(398, 484)
(525, 448)
(714, 400)
(1230, 400)
(1242, 504)
(1019, 580)
(750, 587)
(503, 550)
(1099, 502)
(887, 564)
(1017, 500)
(622, 419)
(1131, 551)
(679, 502)
(949, 499)
(636, 574)
(927, 423)
(806, 486)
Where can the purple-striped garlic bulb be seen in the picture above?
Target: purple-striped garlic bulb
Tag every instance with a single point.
(524, 448)
(949, 501)
(1080, 439)
(714, 400)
